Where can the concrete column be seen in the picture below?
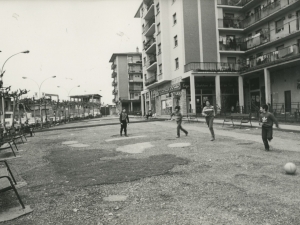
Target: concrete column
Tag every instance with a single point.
(142, 104)
(267, 85)
(241, 93)
(131, 106)
(193, 93)
(218, 93)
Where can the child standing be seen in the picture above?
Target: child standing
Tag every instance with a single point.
(124, 119)
(178, 118)
(267, 119)
(209, 113)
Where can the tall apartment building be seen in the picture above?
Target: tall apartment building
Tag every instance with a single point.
(238, 54)
(127, 80)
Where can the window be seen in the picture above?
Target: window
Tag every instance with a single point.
(279, 25)
(176, 63)
(175, 41)
(157, 8)
(158, 28)
(159, 49)
(131, 95)
(174, 19)
(143, 27)
(160, 69)
(144, 61)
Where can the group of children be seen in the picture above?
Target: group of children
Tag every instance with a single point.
(266, 120)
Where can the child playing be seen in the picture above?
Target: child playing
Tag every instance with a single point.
(209, 113)
(267, 119)
(178, 118)
(124, 119)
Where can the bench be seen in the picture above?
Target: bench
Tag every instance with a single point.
(8, 182)
(242, 118)
(4, 139)
(15, 135)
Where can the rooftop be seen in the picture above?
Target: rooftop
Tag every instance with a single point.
(124, 53)
(86, 96)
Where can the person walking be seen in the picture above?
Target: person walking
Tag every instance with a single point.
(178, 118)
(124, 120)
(267, 119)
(209, 113)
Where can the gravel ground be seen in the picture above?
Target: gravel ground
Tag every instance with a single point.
(229, 181)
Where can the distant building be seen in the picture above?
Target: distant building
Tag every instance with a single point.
(239, 54)
(127, 80)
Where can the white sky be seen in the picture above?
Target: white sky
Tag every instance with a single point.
(68, 39)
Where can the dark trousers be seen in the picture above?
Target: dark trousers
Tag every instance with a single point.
(267, 135)
(210, 124)
(123, 127)
(179, 127)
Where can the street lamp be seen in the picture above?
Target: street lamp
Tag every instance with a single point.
(39, 86)
(1, 85)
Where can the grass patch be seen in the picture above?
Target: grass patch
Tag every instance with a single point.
(84, 168)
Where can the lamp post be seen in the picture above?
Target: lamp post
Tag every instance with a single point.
(40, 86)
(1, 85)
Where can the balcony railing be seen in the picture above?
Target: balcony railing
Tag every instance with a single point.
(113, 66)
(212, 67)
(114, 83)
(152, 59)
(135, 62)
(135, 88)
(234, 2)
(151, 80)
(230, 23)
(266, 35)
(284, 54)
(149, 43)
(114, 74)
(114, 92)
(149, 24)
(135, 70)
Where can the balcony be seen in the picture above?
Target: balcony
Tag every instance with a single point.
(135, 70)
(151, 64)
(134, 62)
(271, 58)
(239, 3)
(149, 10)
(150, 46)
(212, 67)
(230, 23)
(135, 80)
(151, 80)
(135, 89)
(149, 28)
(115, 91)
(114, 83)
(113, 66)
(270, 11)
(114, 74)
(288, 30)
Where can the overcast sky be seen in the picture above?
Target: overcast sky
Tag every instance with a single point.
(72, 40)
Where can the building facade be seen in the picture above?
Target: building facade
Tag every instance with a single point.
(127, 81)
(239, 54)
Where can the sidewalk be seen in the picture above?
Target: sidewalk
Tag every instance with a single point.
(284, 127)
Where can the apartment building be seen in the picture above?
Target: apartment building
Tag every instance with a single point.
(238, 54)
(127, 81)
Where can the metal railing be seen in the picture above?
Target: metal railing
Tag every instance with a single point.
(152, 59)
(135, 88)
(233, 2)
(230, 23)
(271, 57)
(149, 24)
(151, 80)
(135, 69)
(149, 43)
(212, 67)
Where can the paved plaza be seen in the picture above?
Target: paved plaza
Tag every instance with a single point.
(91, 175)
